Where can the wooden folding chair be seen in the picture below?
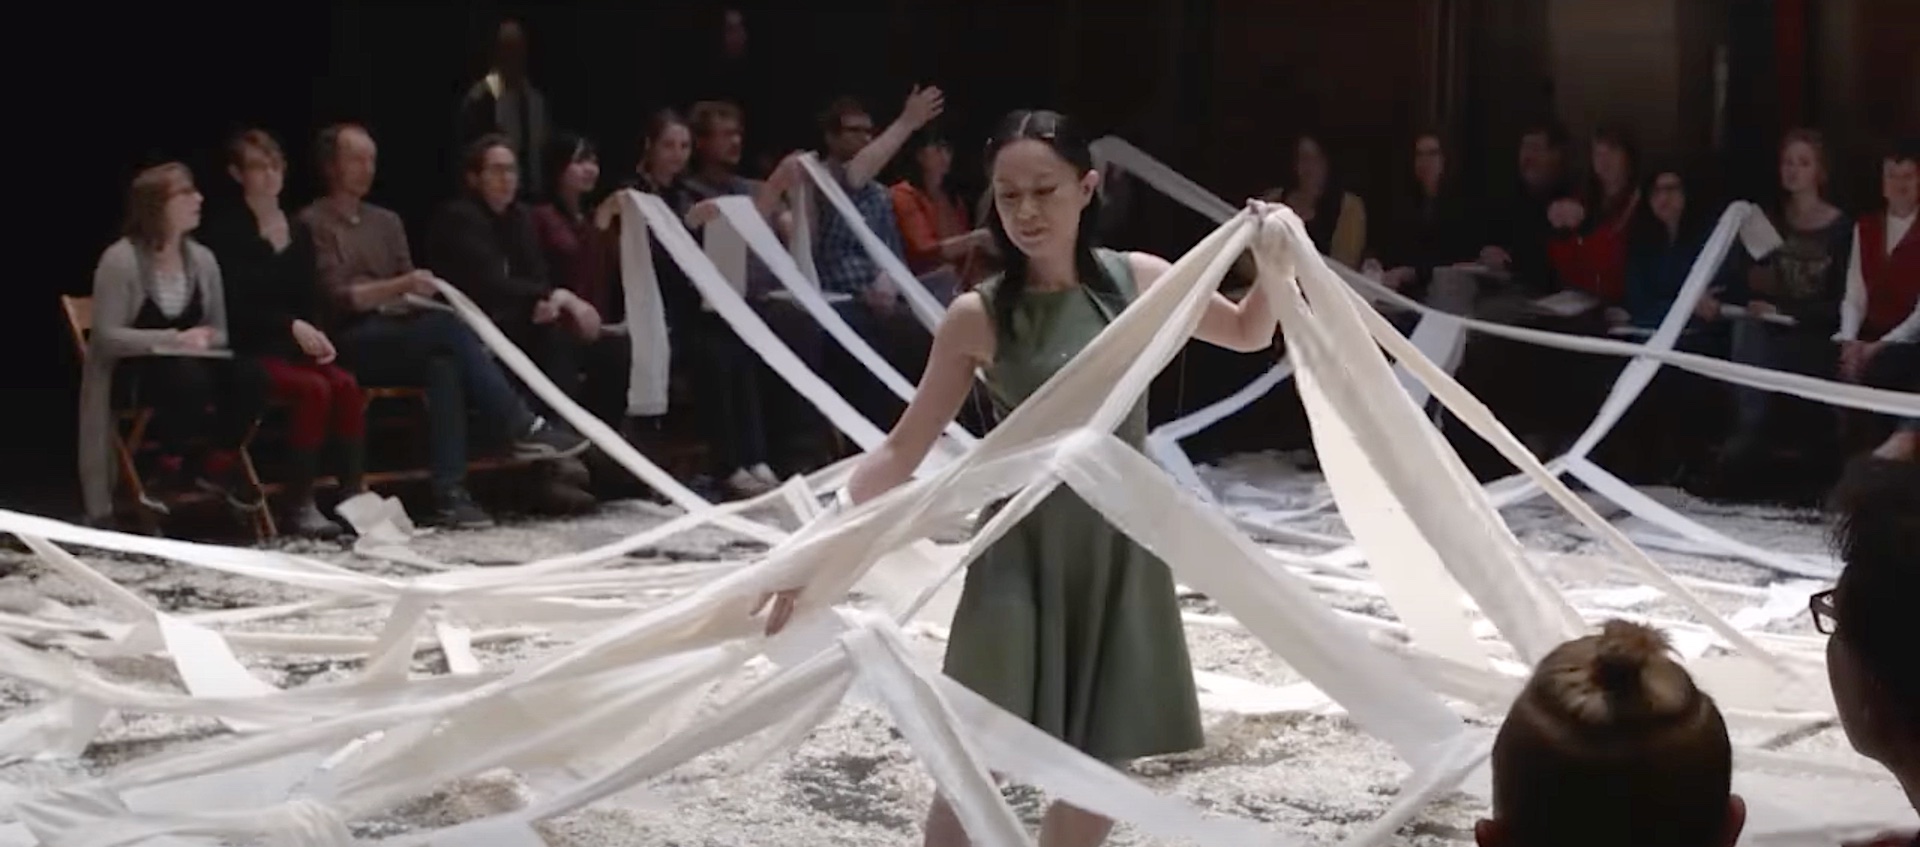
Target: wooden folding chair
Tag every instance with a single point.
(128, 441)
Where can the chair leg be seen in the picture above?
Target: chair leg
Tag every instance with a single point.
(149, 520)
(263, 526)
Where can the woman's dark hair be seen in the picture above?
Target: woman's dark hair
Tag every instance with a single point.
(1876, 531)
(562, 150)
(1600, 206)
(657, 125)
(1326, 207)
(910, 163)
(1647, 230)
(1069, 143)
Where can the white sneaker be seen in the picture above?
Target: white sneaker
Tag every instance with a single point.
(743, 483)
(765, 474)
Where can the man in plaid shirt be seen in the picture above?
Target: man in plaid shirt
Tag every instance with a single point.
(855, 156)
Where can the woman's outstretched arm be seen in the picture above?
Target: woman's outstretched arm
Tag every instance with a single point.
(963, 340)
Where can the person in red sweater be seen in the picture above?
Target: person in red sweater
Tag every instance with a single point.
(1590, 252)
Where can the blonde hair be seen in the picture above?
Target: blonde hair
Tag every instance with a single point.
(1611, 743)
(1816, 143)
(146, 223)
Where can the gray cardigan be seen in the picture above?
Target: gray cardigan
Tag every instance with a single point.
(121, 283)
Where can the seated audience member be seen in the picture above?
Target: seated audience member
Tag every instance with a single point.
(731, 402)
(1431, 226)
(505, 102)
(1868, 619)
(158, 308)
(1804, 282)
(267, 263)
(367, 277)
(1335, 219)
(581, 249)
(483, 242)
(1589, 250)
(1517, 227)
(934, 224)
(1611, 744)
(1880, 316)
(1663, 242)
(1676, 426)
(855, 157)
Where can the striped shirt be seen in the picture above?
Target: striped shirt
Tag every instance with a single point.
(171, 291)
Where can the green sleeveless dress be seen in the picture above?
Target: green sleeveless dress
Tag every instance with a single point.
(1065, 621)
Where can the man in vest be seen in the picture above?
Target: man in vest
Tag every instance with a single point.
(1880, 317)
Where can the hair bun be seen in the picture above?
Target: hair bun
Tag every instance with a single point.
(1622, 654)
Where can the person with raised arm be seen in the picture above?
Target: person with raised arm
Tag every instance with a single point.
(1065, 621)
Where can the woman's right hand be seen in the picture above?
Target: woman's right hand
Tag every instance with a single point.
(313, 342)
(197, 338)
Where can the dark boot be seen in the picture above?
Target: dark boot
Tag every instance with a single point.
(353, 466)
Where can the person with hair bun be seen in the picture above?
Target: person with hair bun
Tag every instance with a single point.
(1065, 621)
(1867, 617)
(1611, 744)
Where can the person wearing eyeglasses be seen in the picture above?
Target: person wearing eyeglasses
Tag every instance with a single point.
(1871, 659)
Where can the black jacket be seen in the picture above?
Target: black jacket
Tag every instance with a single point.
(494, 258)
(266, 291)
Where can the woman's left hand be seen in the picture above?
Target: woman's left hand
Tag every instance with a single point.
(314, 343)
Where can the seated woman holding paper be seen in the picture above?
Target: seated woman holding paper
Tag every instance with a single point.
(1065, 621)
(1589, 255)
(159, 340)
(581, 249)
(1336, 219)
(1610, 743)
(1791, 303)
(1673, 427)
(934, 224)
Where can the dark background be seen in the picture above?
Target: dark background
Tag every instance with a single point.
(1214, 87)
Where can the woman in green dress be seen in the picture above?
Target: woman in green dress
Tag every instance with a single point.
(1065, 621)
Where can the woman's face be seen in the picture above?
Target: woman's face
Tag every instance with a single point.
(1610, 165)
(1669, 199)
(1310, 164)
(668, 152)
(1039, 196)
(183, 207)
(1799, 168)
(1429, 161)
(582, 175)
(936, 161)
(259, 174)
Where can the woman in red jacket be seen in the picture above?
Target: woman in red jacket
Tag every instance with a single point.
(1590, 253)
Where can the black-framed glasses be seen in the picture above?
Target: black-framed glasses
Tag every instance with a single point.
(1820, 606)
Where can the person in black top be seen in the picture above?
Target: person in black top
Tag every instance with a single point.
(483, 242)
(273, 302)
(1428, 226)
(1517, 229)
